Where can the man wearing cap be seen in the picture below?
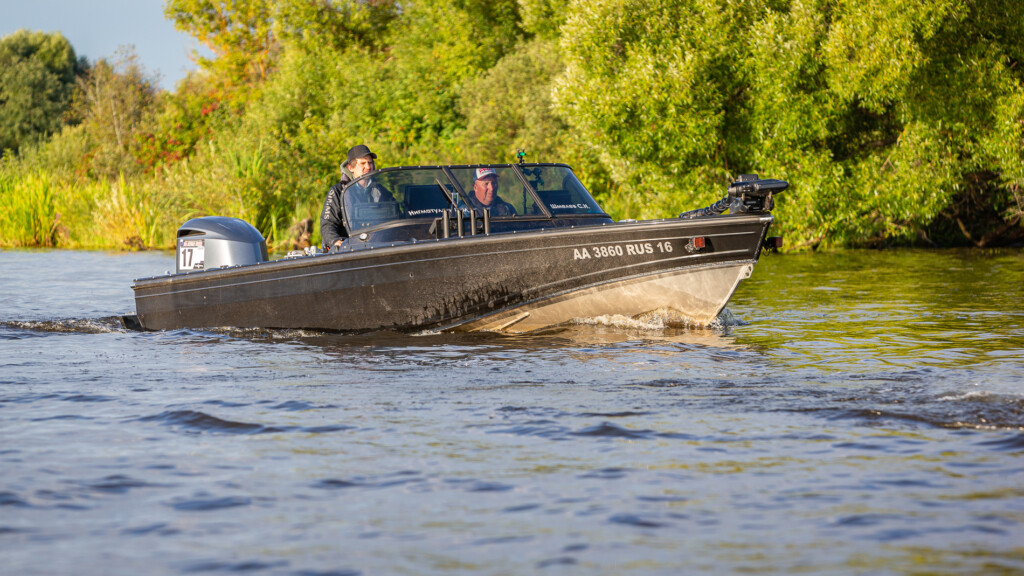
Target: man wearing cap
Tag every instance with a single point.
(485, 193)
(360, 161)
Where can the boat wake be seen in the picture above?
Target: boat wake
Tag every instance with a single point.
(266, 333)
(104, 325)
(655, 323)
(658, 321)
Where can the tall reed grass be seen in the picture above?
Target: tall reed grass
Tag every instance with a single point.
(40, 209)
(28, 214)
(55, 208)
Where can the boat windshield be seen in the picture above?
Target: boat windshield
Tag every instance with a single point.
(426, 192)
(497, 188)
(389, 195)
(560, 190)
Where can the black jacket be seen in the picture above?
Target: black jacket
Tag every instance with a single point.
(498, 208)
(332, 223)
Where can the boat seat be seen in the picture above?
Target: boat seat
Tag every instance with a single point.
(365, 214)
(423, 200)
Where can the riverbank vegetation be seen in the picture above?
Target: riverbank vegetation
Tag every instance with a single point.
(895, 122)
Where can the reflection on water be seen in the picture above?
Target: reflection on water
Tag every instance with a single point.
(858, 412)
(907, 309)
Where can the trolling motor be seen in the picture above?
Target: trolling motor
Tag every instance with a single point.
(749, 193)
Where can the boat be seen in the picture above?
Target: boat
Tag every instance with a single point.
(428, 255)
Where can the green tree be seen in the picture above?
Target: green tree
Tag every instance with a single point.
(180, 121)
(238, 32)
(37, 80)
(543, 18)
(882, 114)
(116, 101)
(436, 49)
(509, 107)
(337, 24)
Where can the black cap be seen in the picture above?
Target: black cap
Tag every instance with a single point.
(357, 152)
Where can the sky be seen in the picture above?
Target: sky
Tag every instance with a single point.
(96, 28)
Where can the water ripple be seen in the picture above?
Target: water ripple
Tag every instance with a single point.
(636, 520)
(401, 478)
(11, 499)
(192, 420)
(557, 561)
(862, 520)
(88, 398)
(63, 417)
(479, 486)
(297, 405)
(335, 484)
(1012, 443)
(624, 414)
(542, 428)
(245, 566)
(119, 484)
(208, 504)
(521, 508)
(325, 429)
(987, 414)
(160, 529)
(607, 474)
(609, 430)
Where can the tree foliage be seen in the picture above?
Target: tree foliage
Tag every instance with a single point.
(37, 79)
(116, 100)
(337, 24)
(238, 32)
(882, 114)
(895, 122)
(509, 106)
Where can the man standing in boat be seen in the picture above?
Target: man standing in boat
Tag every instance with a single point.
(485, 193)
(360, 161)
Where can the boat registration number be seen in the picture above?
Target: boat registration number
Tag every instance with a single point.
(191, 254)
(617, 250)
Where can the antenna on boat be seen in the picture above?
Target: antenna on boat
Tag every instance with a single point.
(520, 154)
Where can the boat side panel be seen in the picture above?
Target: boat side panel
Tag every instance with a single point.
(438, 283)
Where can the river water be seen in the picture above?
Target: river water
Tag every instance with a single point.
(855, 413)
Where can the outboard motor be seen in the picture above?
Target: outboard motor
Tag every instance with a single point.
(748, 194)
(217, 241)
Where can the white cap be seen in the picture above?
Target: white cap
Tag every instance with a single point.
(484, 172)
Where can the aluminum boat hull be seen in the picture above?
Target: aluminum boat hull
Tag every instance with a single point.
(512, 282)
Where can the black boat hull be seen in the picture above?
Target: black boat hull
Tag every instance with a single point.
(507, 282)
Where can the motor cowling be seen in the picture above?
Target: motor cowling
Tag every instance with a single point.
(217, 241)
